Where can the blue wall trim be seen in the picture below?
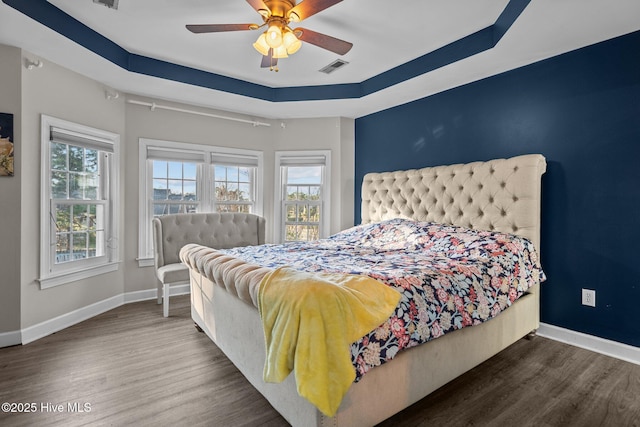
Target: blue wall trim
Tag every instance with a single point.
(581, 110)
(54, 18)
(453, 52)
(179, 73)
(508, 16)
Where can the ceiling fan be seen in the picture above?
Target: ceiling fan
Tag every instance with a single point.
(279, 40)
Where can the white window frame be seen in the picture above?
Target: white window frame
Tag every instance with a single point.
(52, 274)
(206, 203)
(301, 158)
(235, 159)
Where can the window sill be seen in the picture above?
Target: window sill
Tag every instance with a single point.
(145, 262)
(64, 278)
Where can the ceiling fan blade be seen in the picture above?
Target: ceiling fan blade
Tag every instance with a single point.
(260, 7)
(324, 41)
(268, 61)
(217, 28)
(307, 8)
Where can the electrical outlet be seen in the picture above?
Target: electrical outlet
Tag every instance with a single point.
(589, 297)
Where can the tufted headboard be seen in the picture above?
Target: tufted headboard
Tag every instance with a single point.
(502, 195)
(215, 230)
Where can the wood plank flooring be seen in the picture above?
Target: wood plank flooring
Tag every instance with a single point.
(131, 366)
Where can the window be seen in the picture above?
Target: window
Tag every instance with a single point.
(174, 187)
(233, 182)
(302, 202)
(174, 180)
(183, 178)
(303, 195)
(79, 197)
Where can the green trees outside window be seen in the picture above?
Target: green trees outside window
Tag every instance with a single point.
(78, 208)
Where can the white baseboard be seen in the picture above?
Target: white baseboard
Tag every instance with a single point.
(56, 324)
(148, 294)
(7, 339)
(48, 327)
(615, 349)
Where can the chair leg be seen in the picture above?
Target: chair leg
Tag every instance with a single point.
(159, 292)
(165, 303)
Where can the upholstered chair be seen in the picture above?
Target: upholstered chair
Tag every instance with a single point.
(216, 230)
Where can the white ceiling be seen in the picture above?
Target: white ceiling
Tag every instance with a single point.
(385, 34)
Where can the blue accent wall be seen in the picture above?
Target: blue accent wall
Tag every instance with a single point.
(581, 110)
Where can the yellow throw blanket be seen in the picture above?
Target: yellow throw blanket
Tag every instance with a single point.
(310, 321)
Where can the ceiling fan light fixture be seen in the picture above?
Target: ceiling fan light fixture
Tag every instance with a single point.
(291, 42)
(274, 36)
(261, 44)
(294, 17)
(280, 52)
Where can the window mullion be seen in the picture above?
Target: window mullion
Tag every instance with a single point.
(252, 173)
(204, 177)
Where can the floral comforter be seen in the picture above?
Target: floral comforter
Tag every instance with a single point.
(449, 277)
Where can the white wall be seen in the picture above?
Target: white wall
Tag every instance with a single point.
(55, 91)
(58, 92)
(10, 196)
(346, 178)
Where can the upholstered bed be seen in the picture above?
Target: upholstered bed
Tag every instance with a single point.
(501, 196)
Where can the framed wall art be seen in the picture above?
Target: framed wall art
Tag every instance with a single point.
(6, 144)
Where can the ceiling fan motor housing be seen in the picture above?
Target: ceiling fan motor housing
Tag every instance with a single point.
(279, 8)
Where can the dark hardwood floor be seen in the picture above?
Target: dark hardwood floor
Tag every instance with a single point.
(131, 366)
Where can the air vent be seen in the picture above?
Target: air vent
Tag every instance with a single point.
(333, 66)
(111, 4)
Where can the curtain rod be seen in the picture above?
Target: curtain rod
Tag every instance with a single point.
(153, 106)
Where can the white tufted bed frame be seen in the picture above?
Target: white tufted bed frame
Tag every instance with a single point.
(501, 195)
